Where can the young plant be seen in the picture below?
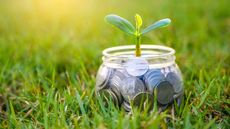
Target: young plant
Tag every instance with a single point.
(136, 31)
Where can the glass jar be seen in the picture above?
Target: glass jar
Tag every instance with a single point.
(130, 80)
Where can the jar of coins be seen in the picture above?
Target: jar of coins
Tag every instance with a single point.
(130, 81)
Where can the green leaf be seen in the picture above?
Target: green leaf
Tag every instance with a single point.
(138, 20)
(158, 24)
(120, 23)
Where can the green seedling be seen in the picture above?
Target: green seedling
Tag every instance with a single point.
(136, 31)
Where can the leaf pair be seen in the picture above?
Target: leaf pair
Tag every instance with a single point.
(128, 28)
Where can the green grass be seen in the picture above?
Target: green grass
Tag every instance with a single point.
(49, 56)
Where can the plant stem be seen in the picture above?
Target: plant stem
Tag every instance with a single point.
(138, 48)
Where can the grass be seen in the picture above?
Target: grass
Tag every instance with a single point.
(50, 52)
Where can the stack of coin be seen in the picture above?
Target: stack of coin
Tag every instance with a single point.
(103, 77)
(107, 95)
(165, 93)
(131, 86)
(152, 78)
(126, 106)
(118, 94)
(117, 78)
(175, 80)
(125, 85)
(144, 101)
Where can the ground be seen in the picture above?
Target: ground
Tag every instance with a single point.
(50, 52)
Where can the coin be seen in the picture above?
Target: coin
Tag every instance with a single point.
(136, 66)
(144, 101)
(130, 87)
(108, 95)
(165, 92)
(105, 96)
(103, 76)
(126, 106)
(117, 78)
(115, 98)
(118, 94)
(152, 78)
(175, 80)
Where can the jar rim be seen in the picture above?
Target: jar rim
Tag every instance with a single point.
(108, 52)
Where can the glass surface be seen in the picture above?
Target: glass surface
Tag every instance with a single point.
(128, 77)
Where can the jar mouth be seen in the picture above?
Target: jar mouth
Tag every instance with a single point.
(148, 51)
(155, 55)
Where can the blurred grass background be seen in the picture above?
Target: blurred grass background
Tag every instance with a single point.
(50, 51)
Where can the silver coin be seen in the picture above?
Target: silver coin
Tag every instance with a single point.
(130, 87)
(115, 98)
(144, 101)
(115, 83)
(108, 95)
(103, 76)
(165, 92)
(118, 94)
(117, 78)
(175, 80)
(105, 96)
(126, 106)
(136, 66)
(152, 78)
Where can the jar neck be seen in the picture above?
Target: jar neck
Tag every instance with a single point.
(157, 56)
